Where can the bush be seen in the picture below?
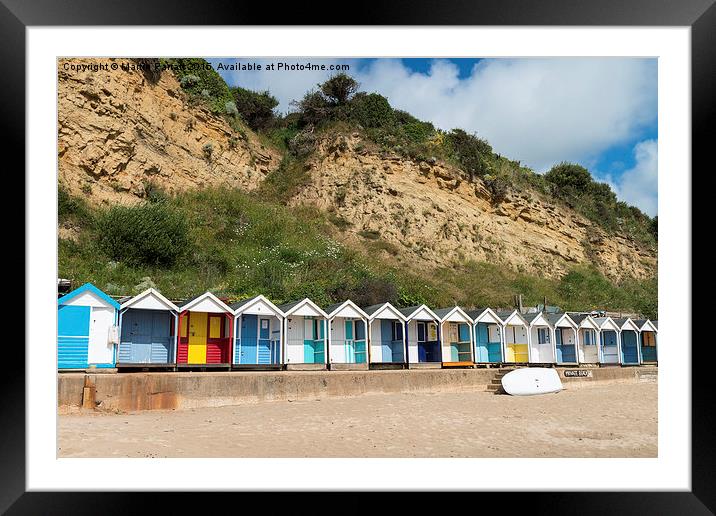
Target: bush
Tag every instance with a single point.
(371, 110)
(569, 177)
(255, 108)
(472, 153)
(314, 109)
(339, 88)
(150, 233)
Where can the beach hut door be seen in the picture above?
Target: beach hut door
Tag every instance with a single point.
(264, 340)
(198, 322)
(72, 336)
(350, 343)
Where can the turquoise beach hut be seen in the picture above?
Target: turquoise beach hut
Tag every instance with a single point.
(87, 331)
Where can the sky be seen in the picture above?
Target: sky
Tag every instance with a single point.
(598, 112)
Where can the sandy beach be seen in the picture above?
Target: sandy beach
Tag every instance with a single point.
(614, 420)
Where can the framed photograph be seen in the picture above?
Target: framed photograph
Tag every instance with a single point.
(416, 250)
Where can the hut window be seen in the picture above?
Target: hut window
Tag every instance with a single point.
(648, 338)
(543, 335)
(397, 331)
(214, 327)
(421, 332)
(588, 338)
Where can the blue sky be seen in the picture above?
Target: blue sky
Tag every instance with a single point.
(599, 112)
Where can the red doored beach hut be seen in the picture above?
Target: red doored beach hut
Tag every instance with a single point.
(205, 326)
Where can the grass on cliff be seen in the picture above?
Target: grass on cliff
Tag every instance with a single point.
(241, 244)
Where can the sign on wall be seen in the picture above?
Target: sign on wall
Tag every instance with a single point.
(577, 373)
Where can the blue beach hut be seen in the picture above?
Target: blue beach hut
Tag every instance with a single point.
(258, 334)
(647, 333)
(147, 331)
(629, 337)
(422, 332)
(86, 329)
(565, 338)
(488, 336)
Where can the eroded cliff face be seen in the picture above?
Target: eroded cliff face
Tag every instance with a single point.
(118, 133)
(432, 218)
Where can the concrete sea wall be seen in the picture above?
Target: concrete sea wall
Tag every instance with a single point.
(182, 390)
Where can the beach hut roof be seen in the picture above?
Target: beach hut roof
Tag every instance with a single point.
(604, 322)
(303, 307)
(561, 320)
(206, 302)
(93, 291)
(484, 315)
(150, 299)
(625, 323)
(537, 319)
(257, 305)
(345, 309)
(376, 311)
(454, 314)
(507, 317)
(584, 321)
(645, 325)
(419, 312)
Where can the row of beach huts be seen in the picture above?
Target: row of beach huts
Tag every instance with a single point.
(148, 330)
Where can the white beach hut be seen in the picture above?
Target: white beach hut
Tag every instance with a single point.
(386, 336)
(347, 336)
(515, 341)
(587, 339)
(456, 337)
(609, 345)
(541, 338)
(305, 335)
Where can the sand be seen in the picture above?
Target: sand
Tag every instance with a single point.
(617, 420)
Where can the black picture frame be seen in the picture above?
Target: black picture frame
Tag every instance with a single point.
(700, 15)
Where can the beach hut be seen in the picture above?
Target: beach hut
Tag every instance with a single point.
(515, 341)
(423, 337)
(565, 337)
(205, 329)
(258, 334)
(386, 336)
(147, 331)
(540, 337)
(587, 338)
(647, 341)
(86, 329)
(629, 341)
(488, 336)
(608, 340)
(347, 342)
(455, 337)
(305, 335)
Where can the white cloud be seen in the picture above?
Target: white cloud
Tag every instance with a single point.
(638, 186)
(539, 111)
